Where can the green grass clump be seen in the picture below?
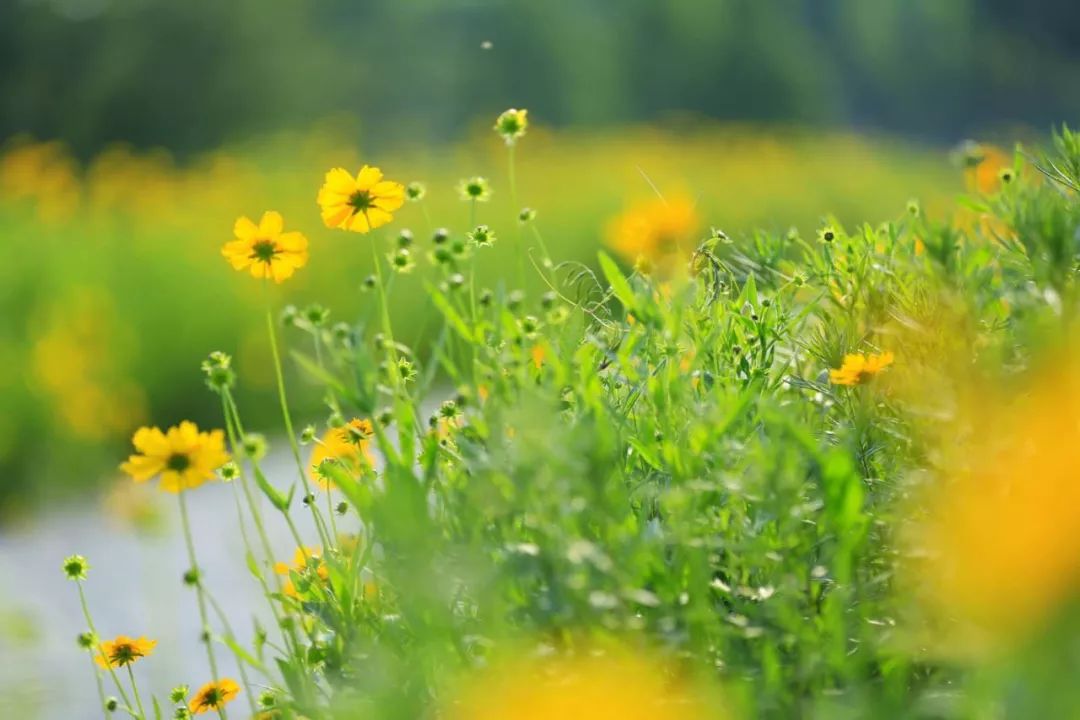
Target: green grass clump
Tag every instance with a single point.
(717, 469)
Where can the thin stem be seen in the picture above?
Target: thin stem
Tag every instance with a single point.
(198, 590)
(100, 687)
(287, 418)
(135, 689)
(93, 631)
(515, 209)
(239, 660)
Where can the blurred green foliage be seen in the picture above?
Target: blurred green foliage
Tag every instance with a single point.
(188, 76)
(114, 287)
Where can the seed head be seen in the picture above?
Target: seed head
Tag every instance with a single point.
(254, 446)
(217, 368)
(482, 236)
(512, 124)
(475, 189)
(415, 191)
(75, 567)
(402, 261)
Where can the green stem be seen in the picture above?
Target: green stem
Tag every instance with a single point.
(287, 418)
(239, 659)
(100, 687)
(198, 590)
(334, 407)
(93, 631)
(515, 209)
(135, 690)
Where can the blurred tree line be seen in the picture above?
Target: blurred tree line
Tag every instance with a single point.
(190, 75)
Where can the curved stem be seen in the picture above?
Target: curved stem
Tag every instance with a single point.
(199, 594)
(93, 631)
(287, 418)
(135, 690)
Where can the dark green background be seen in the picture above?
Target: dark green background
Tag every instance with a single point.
(191, 75)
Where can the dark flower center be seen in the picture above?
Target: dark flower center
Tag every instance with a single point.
(178, 462)
(124, 654)
(361, 200)
(474, 189)
(264, 250)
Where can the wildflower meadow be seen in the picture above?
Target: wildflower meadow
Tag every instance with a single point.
(700, 472)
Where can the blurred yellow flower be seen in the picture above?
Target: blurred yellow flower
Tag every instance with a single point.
(266, 248)
(858, 368)
(361, 203)
(655, 233)
(303, 558)
(985, 173)
(213, 696)
(184, 457)
(996, 545)
(123, 651)
(596, 687)
(347, 445)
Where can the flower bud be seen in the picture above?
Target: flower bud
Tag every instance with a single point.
(75, 567)
(415, 191)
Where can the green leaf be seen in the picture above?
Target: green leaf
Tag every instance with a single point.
(618, 282)
(276, 498)
(321, 375)
(243, 654)
(452, 316)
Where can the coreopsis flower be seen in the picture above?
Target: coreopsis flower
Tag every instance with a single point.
(858, 368)
(123, 651)
(359, 203)
(183, 457)
(266, 249)
(984, 165)
(593, 686)
(475, 189)
(303, 558)
(655, 233)
(512, 124)
(213, 696)
(347, 445)
(993, 547)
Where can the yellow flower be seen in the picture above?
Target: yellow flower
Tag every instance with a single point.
(213, 696)
(184, 457)
(996, 547)
(984, 174)
(123, 651)
(607, 687)
(361, 203)
(655, 233)
(266, 248)
(300, 565)
(512, 124)
(347, 445)
(858, 369)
